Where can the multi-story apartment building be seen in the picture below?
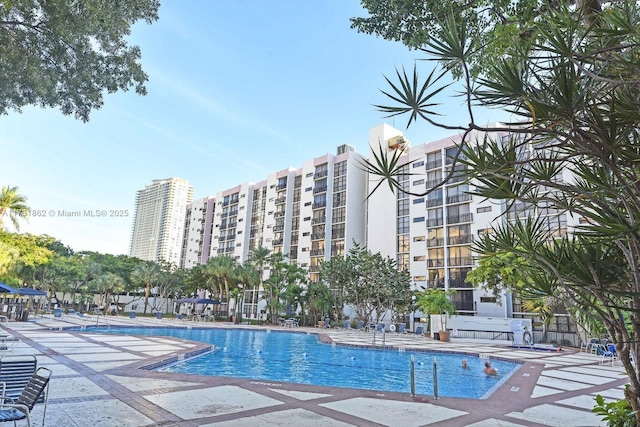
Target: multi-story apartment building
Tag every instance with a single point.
(158, 222)
(430, 231)
(198, 228)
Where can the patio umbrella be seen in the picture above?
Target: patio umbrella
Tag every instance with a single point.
(187, 300)
(206, 301)
(30, 292)
(6, 289)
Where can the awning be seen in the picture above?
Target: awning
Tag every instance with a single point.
(6, 289)
(30, 292)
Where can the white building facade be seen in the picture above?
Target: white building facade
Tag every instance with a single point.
(159, 220)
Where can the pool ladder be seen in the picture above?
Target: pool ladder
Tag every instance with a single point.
(384, 338)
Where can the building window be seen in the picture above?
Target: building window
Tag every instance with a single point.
(488, 299)
(417, 201)
(403, 225)
(418, 182)
(484, 209)
(418, 219)
(417, 164)
(419, 239)
(420, 258)
(308, 189)
(403, 207)
(419, 278)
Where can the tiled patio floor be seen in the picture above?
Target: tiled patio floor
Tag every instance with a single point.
(97, 382)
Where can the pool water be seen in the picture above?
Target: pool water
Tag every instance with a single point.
(301, 358)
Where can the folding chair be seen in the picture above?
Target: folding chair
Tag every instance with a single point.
(35, 391)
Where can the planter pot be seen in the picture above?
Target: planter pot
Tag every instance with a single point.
(444, 335)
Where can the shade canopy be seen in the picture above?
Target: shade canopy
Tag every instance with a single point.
(187, 300)
(207, 301)
(198, 300)
(6, 289)
(31, 292)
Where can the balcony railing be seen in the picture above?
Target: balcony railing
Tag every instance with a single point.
(460, 261)
(458, 198)
(278, 227)
(435, 242)
(281, 200)
(317, 252)
(278, 214)
(281, 187)
(320, 220)
(320, 174)
(435, 262)
(277, 242)
(314, 269)
(317, 236)
(459, 240)
(434, 202)
(433, 182)
(435, 222)
(468, 217)
(319, 205)
(436, 164)
(322, 189)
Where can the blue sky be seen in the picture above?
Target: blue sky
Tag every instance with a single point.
(237, 89)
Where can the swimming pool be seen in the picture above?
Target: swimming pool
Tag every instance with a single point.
(301, 358)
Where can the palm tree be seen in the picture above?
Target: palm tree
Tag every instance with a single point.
(12, 205)
(221, 271)
(147, 272)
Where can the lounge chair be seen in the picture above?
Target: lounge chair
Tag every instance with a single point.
(57, 312)
(327, 324)
(380, 327)
(35, 391)
(345, 325)
(360, 326)
(608, 352)
(180, 317)
(402, 329)
(132, 315)
(71, 312)
(419, 330)
(159, 315)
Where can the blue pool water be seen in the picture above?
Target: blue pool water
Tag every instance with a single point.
(301, 358)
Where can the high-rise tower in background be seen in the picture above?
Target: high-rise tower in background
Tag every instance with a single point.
(158, 222)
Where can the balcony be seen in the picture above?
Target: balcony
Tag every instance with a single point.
(321, 189)
(434, 202)
(458, 198)
(277, 242)
(278, 227)
(455, 262)
(314, 269)
(281, 200)
(435, 262)
(317, 252)
(468, 217)
(433, 183)
(222, 238)
(319, 205)
(459, 240)
(321, 220)
(317, 236)
(278, 214)
(320, 174)
(281, 187)
(435, 222)
(436, 164)
(431, 243)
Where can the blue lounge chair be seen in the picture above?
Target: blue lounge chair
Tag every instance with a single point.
(360, 326)
(419, 330)
(180, 317)
(57, 312)
(345, 325)
(327, 323)
(132, 315)
(609, 352)
(380, 327)
(72, 311)
(159, 315)
(402, 329)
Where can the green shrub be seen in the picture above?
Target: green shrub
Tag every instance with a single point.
(617, 413)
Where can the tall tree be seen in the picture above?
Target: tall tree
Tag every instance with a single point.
(148, 274)
(572, 86)
(67, 54)
(12, 205)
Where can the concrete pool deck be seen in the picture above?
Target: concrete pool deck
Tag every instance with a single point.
(97, 381)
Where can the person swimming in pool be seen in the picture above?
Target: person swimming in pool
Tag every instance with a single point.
(489, 370)
(465, 364)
